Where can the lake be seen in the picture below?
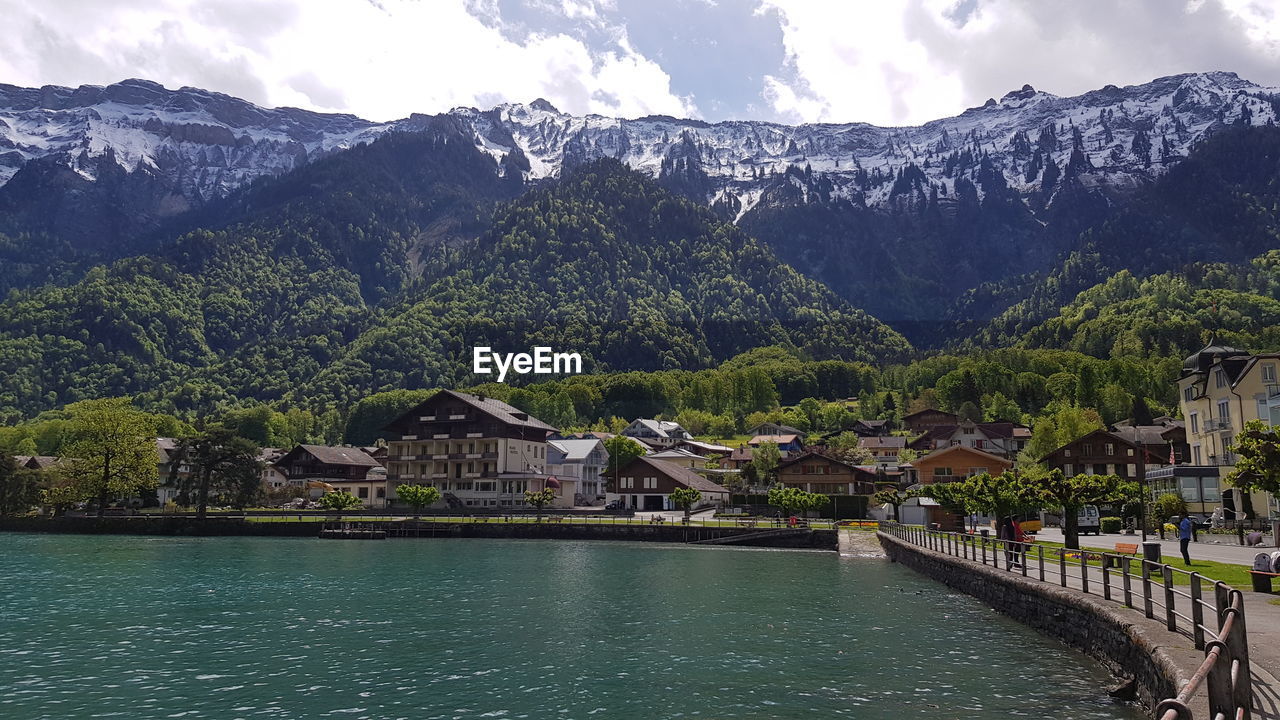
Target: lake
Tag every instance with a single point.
(142, 627)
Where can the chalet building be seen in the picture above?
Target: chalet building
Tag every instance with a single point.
(646, 484)
(788, 445)
(817, 473)
(923, 420)
(656, 433)
(581, 461)
(1105, 453)
(1163, 440)
(272, 477)
(167, 453)
(772, 428)
(683, 458)
(998, 438)
(738, 459)
(884, 449)
(1221, 388)
(956, 463)
(480, 452)
(344, 469)
(871, 428)
(705, 449)
(35, 462)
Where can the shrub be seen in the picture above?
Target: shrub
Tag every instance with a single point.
(1111, 524)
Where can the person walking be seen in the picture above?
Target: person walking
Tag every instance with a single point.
(1185, 529)
(1006, 532)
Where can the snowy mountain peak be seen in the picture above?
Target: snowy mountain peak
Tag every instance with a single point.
(206, 143)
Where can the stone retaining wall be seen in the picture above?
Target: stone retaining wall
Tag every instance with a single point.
(1123, 640)
(180, 526)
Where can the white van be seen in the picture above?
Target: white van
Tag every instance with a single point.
(1088, 520)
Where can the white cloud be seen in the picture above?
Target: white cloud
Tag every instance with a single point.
(379, 60)
(894, 64)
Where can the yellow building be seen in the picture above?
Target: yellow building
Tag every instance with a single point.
(1220, 389)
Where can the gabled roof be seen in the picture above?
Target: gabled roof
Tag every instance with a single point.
(707, 447)
(778, 439)
(676, 453)
(928, 411)
(576, 448)
(333, 455)
(782, 429)
(882, 441)
(662, 428)
(961, 448)
(1143, 434)
(810, 455)
(1103, 435)
(492, 407)
(36, 462)
(680, 474)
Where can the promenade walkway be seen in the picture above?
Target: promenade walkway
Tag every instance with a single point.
(1262, 616)
(1218, 548)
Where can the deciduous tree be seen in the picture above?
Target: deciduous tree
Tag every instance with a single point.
(112, 452)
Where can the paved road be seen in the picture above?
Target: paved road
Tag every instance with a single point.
(1218, 548)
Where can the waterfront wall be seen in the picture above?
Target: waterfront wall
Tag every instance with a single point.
(1132, 647)
(189, 526)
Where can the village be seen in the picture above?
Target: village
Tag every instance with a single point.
(484, 456)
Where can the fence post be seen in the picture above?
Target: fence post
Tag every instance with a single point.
(1106, 577)
(1241, 692)
(1062, 567)
(1022, 557)
(1146, 588)
(1128, 582)
(1171, 619)
(1197, 612)
(1040, 554)
(1084, 571)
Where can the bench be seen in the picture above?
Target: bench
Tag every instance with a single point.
(1262, 580)
(1123, 549)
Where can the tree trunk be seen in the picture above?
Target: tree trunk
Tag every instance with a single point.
(203, 508)
(106, 484)
(1071, 528)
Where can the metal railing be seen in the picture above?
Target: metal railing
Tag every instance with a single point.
(1214, 621)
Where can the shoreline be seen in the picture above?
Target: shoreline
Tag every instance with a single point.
(778, 538)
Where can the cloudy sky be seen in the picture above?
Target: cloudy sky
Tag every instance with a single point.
(788, 60)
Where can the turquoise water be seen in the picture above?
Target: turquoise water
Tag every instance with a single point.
(131, 627)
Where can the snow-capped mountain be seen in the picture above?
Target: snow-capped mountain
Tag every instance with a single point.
(204, 144)
(1126, 135)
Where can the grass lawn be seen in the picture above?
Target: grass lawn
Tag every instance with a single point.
(1236, 576)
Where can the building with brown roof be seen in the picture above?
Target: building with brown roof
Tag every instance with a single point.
(956, 463)
(480, 452)
(921, 420)
(345, 469)
(646, 484)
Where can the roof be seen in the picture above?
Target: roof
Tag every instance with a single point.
(778, 439)
(676, 453)
(783, 429)
(1114, 437)
(928, 411)
(493, 407)
(682, 475)
(1143, 434)
(337, 455)
(812, 455)
(882, 441)
(741, 454)
(36, 462)
(961, 448)
(662, 428)
(576, 448)
(707, 447)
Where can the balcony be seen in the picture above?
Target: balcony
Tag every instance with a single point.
(489, 455)
(1217, 424)
(441, 436)
(1273, 391)
(458, 417)
(475, 435)
(439, 475)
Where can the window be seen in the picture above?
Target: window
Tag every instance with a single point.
(1086, 450)
(1109, 449)
(1130, 470)
(1220, 378)
(1190, 489)
(1195, 423)
(1224, 410)
(628, 482)
(1066, 452)
(1130, 453)
(942, 471)
(1210, 490)
(1067, 469)
(651, 483)
(1269, 373)
(382, 493)
(1195, 454)
(976, 471)
(363, 492)
(1189, 393)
